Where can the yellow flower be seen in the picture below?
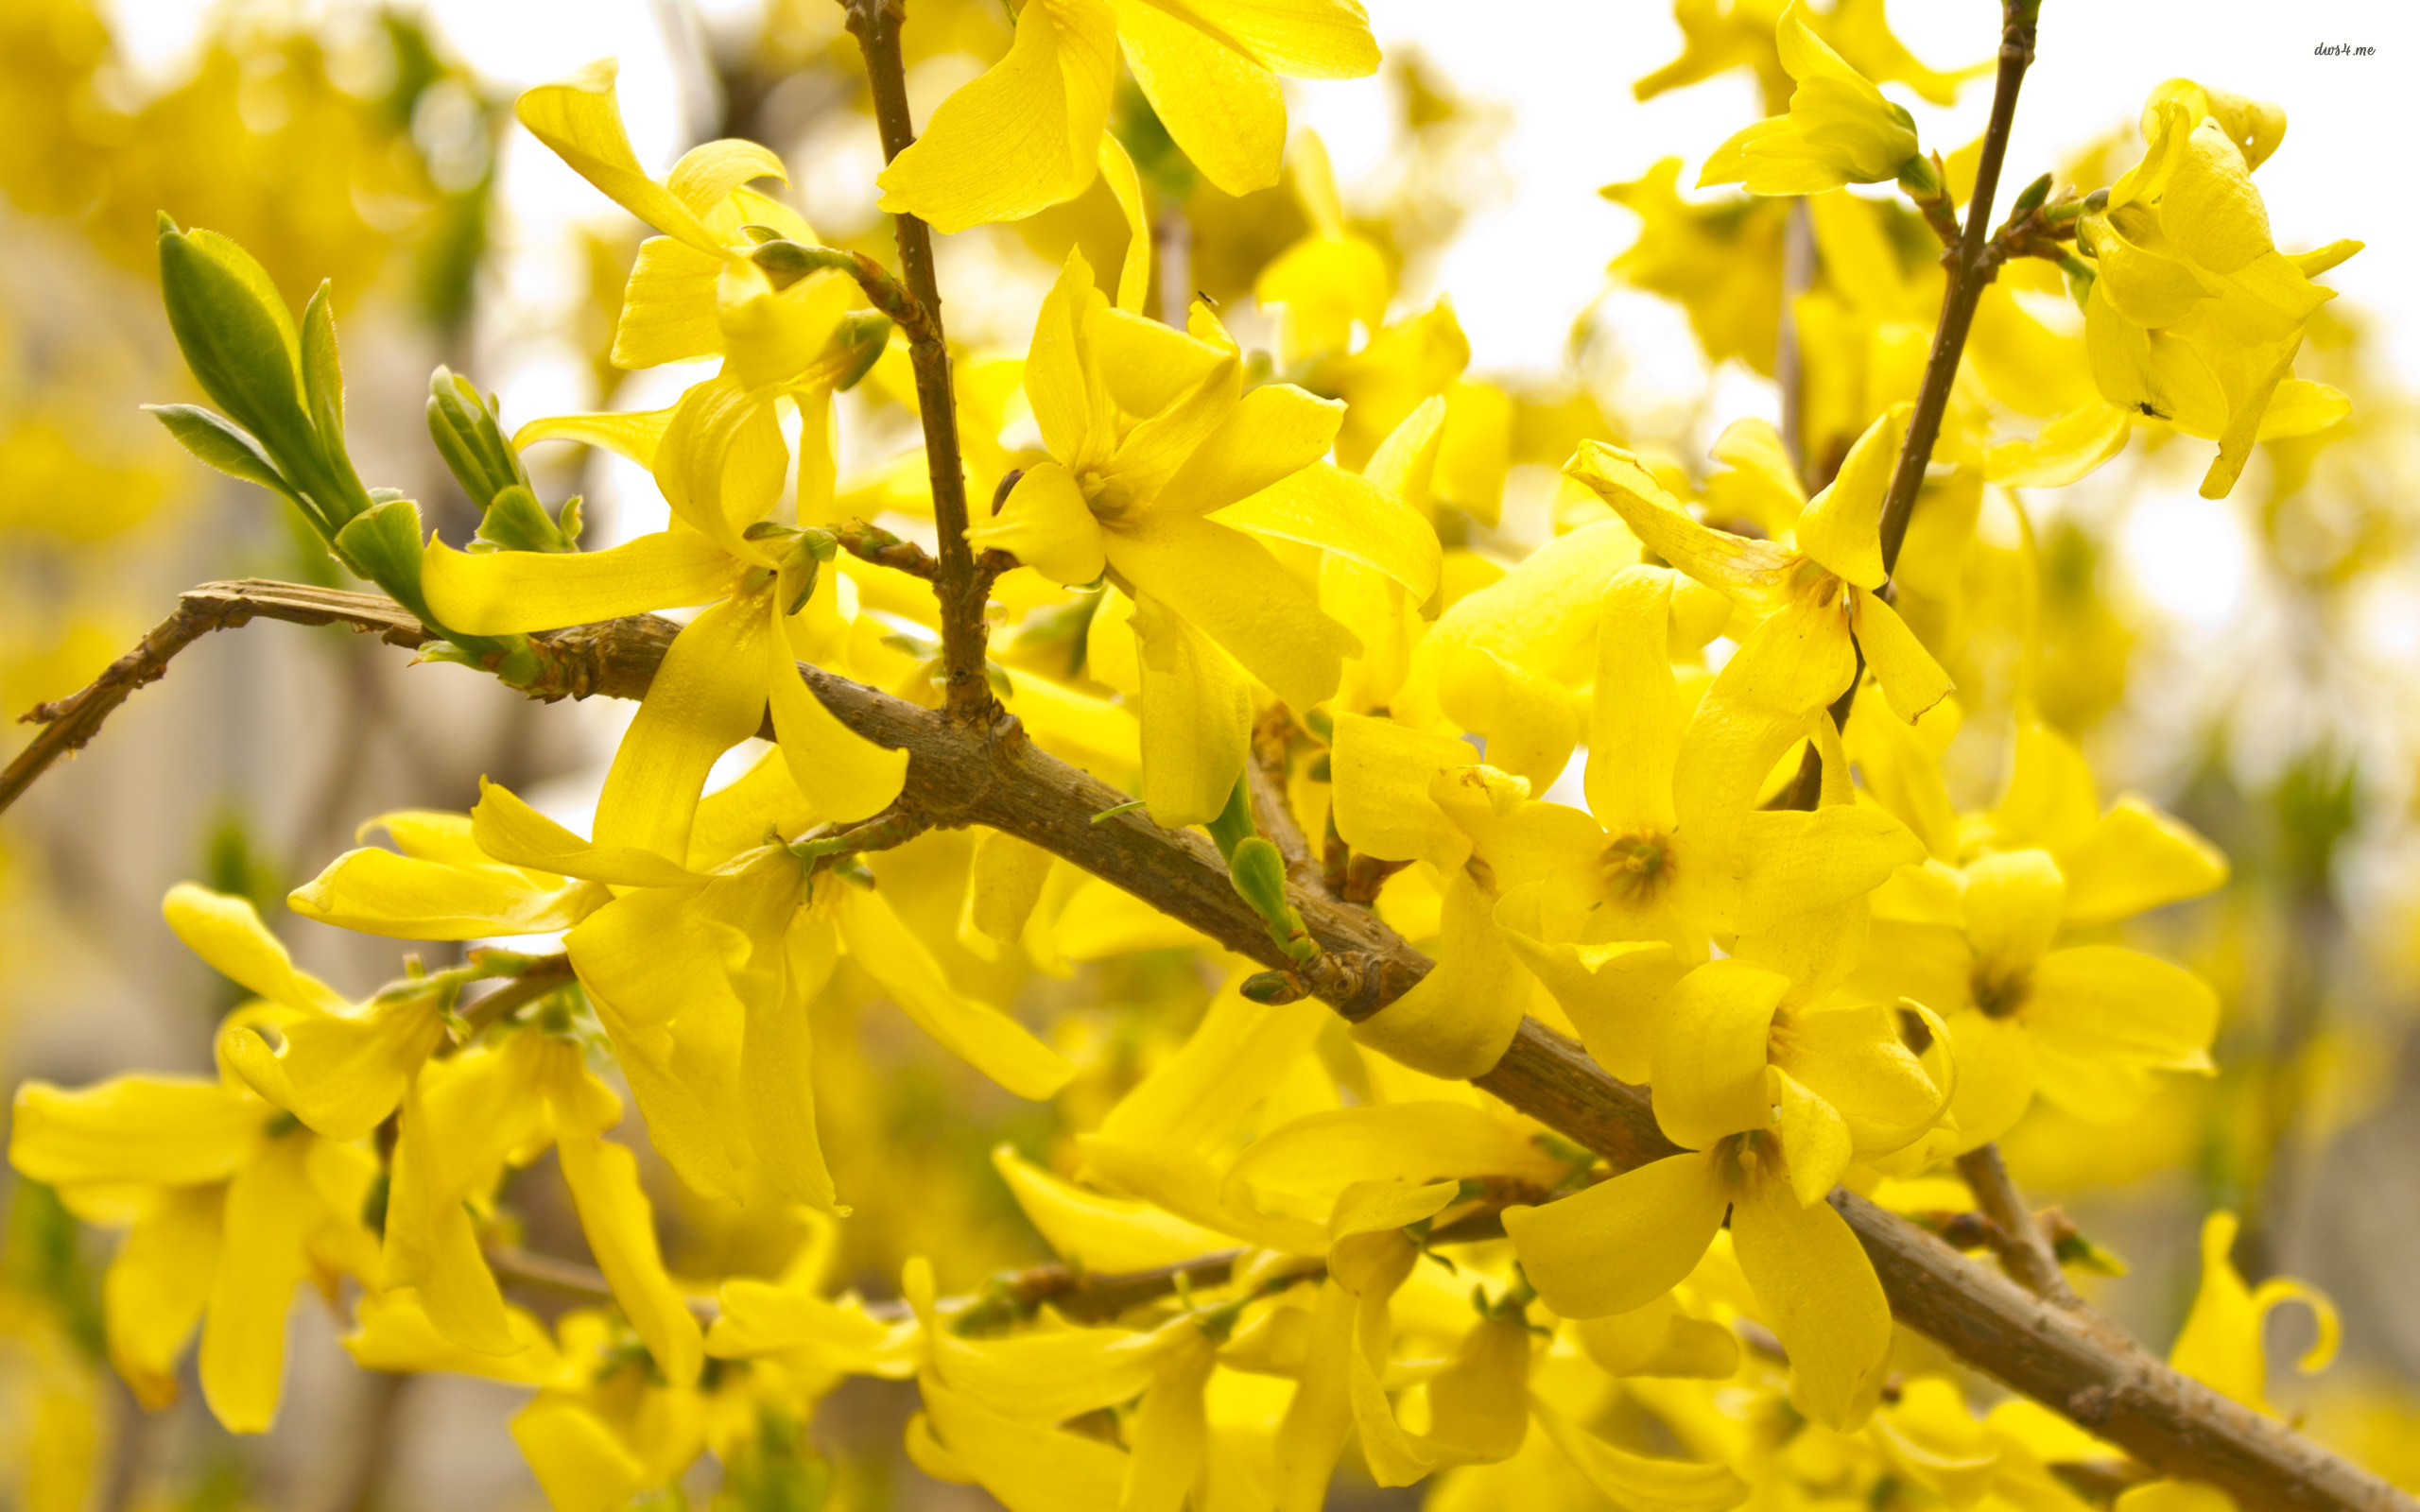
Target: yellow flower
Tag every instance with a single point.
(1717, 37)
(2195, 316)
(1719, 261)
(231, 1205)
(1026, 135)
(2086, 1023)
(1840, 130)
(2220, 1344)
(1623, 1243)
(1160, 465)
(1813, 599)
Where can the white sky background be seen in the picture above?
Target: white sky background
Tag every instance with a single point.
(1525, 267)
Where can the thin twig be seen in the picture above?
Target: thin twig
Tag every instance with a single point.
(2071, 1360)
(534, 981)
(1266, 773)
(2027, 1254)
(967, 689)
(872, 544)
(1971, 263)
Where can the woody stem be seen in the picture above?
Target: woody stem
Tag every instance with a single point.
(960, 589)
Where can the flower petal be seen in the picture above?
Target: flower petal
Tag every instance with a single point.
(1817, 1292)
(1623, 1243)
(707, 696)
(1710, 1053)
(1228, 586)
(270, 1211)
(501, 592)
(978, 1034)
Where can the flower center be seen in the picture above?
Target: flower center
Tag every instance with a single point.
(2000, 994)
(1635, 866)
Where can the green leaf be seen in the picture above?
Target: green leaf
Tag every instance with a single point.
(224, 445)
(1233, 824)
(323, 391)
(235, 333)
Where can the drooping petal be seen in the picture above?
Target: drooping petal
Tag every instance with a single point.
(1911, 679)
(2137, 858)
(226, 931)
(1238, 1054)
(157, 1286)
(508, 829)
(2220, 1343)
(1023, 137)
(777, 1072)
(1610, 992)
(707, 696)
(1457, 1022)
(340, 1074)
(271, 1210)
(1311, 1162)
(1381, 772)
(982, 1036)
(1623, 1243)
(843, 774)
(1817, 1292)
(1660, 1340)
(1754, 573)
(621, 1226)
(1636, 1481)
(500, 593)
(1197, 717)
(1526, 717)
(1094, 1229)
(2101, 1015)
(581, 120)
(1230, 588)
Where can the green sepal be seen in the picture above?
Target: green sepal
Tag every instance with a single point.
(517, 521)
(223, 444)
(1258, 872)
(1233, 824)
(383, 544)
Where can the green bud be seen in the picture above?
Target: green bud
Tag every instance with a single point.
(1270, 987)
(863, 334)
(464, 427)
(1918, 176)
(2096, 203)
(1258, 873)
(2030, 196)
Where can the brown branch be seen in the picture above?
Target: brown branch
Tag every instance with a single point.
(1970, 269)
(967, 693)
(872, 544)
(2071, 1360)
(2025, 1254)
(1266, 774)
(532, 982)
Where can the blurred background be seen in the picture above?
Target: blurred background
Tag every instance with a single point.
(2250, 663)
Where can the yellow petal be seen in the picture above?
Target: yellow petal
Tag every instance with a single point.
(2137, 858)
(1817, 1292)
(1024, 136)
(226, 931)
(1319, 1419)
(1269, 437)
(148, 1130)
(619, 1224)
(341, 1075)
(1457, 1022)
(2014, 901)
(981, 1035)
(157, 1286)
(378, 892)
(499, 593)
(1911, 679)
(1134, 272)
(707, 696)
(1610, 991)
(1477, 1407)
(580, 119)
(1049, 526)
(723, 463)
(845, 776)
(1621, 1243)
(431, 1243)
(1841, 527)
(1526, 718)
(270, 1211)
(1222, 108)
(1659, 1340)
(1030, 1467)
(2068, 448)
(1325, 506)
(1634, 713)
(579, 1462)
(1636, 1481)
(1196, 1098)
(1754, 573)
(2220, 1344)
(1197, 717)
(1100, 1233)
(2095, 1006)
(1308, 1164)
(777, 1072)
(634, 433)
(1710, 1052)
(511, 830)
(394, 1334)
(1170, 1434)
(1381, 772)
